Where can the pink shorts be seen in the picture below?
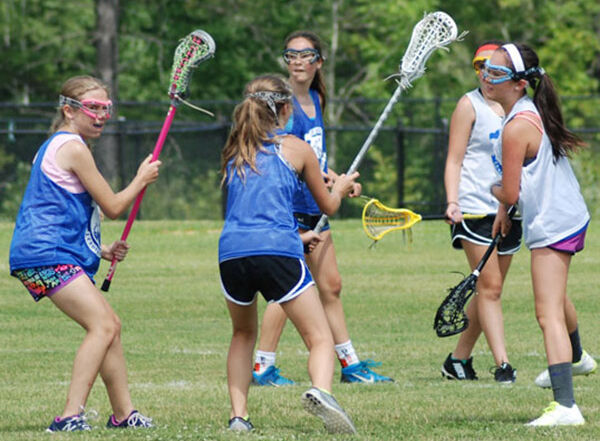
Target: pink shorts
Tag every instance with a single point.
(571, 244)
(44, 281)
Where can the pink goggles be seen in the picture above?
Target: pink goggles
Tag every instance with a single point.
(92, 108)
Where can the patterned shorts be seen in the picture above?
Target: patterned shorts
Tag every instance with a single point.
(42, 281)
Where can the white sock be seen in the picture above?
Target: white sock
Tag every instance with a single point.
(346, 354)
(262, 360)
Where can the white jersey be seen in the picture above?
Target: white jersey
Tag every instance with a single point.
(477, 173)
(550, 200)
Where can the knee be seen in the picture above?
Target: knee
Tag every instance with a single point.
(331, 289)
(490, 290)
(110, 328)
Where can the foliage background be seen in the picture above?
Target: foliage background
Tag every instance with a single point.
(45, 41)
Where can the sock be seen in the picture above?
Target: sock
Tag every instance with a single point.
(561, 378)
(576, 345)
(346, 354)
(263, 360)
(464, 362)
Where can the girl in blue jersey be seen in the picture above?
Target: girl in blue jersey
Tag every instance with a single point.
(260, 248)
(304, 58)
(533, 160)
(468, 175)
(56, 248)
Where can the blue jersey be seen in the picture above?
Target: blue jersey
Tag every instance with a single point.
(311, 130)
(55, 226)
(259, 218)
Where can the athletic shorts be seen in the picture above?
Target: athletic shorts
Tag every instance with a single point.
(310, 221)
(43, 281)
(279, 279)
(572, 244)
(479, 231)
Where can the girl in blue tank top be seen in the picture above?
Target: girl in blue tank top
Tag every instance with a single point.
(260, 249)
(56, 248)
(304, 58)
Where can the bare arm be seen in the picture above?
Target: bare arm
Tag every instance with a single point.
(301, 156)
(461, 125)
(76, 157)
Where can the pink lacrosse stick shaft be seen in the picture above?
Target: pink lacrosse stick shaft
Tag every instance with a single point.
(138, 200)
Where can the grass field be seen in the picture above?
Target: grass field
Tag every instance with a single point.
(176, 332)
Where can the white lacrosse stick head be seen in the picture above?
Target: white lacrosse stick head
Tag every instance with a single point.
(435, 30)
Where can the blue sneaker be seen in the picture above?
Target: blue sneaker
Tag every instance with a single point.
(135, 419)
(69, 424)
(270, 377)
(361, 373)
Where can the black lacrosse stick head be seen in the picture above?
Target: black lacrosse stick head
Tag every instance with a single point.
(451, 318)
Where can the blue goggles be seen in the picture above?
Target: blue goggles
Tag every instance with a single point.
(497, 74)
(308, 55)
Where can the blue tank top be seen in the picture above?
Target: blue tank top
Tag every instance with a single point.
(311, 130)
(55, 226)
(259, 219)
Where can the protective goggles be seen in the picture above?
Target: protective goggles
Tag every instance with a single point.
(92, 108)
(308, 55)
(497, 74)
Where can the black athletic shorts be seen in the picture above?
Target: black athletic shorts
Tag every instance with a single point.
(278, 278)
(479, 231)
(310, 221)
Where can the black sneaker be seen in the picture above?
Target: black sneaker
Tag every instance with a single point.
(453, 369)
(504, 373)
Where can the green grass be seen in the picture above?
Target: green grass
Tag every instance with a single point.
(176, 332)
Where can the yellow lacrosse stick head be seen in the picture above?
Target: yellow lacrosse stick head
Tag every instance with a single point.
(379, 219)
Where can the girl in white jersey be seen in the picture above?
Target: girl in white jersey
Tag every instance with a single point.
(533, 160)
(468, 175)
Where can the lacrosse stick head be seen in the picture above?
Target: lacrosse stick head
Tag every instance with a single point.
(194, 49)
(451, 318)
(378, 219)
(435, 30)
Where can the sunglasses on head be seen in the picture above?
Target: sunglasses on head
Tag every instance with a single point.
(92, 108)
(308, 55)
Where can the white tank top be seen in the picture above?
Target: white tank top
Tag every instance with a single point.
(477, 173)
(550, 200)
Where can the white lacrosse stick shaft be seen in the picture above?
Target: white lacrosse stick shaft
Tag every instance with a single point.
(434, 31)
(363, 150)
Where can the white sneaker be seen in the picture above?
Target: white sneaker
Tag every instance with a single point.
(323, 405)
(586, 366)
(557, 415)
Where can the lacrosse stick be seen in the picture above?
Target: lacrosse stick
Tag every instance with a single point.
(435, 31)
(194, 49)
(451, 318)
(379, 219)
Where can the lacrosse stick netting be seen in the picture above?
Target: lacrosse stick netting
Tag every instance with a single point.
(436, 30)
(378, 219)
(194, 49)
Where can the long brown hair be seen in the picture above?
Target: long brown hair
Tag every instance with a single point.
(253, 122)
(547, 102)
(75, 87)
(318, 82)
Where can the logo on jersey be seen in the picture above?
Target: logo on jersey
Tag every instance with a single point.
(92, 234)
(315, 138)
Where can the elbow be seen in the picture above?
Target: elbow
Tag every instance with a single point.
(111, 214)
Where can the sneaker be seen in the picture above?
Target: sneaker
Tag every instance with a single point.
(239, 424)
(504, 373)
(453, 369)
(558, 415)
(69, 424)
(323, 405)
(270, 377)
(361, 373)
(586, 366)
(135, 419)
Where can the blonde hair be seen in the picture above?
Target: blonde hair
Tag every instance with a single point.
(75, 87)
(254, 119)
